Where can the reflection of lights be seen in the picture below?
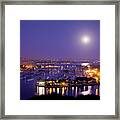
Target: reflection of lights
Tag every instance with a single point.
(72, 88)
(50, 90)
(63, 90)
(57, 90)
(97, 92)
(53, 89)
(88, 92)
(41, 90)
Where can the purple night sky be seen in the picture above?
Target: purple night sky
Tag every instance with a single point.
(59, 39)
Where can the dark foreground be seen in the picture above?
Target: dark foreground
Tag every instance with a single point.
(59, 97)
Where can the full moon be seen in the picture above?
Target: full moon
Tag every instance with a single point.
(85, 39)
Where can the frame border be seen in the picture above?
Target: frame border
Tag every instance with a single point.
(61, 2)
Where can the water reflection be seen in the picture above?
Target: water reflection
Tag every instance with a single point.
(69, 91)
(41, 91)
(57, 90)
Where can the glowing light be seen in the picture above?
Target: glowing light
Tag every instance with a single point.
(62, 83)
(84, 64)
(85, 39)
(42, 83)
(42, 66)
(51, 66)
(93, 72)
(29, 66)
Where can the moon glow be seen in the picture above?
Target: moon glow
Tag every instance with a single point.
(85, 39)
